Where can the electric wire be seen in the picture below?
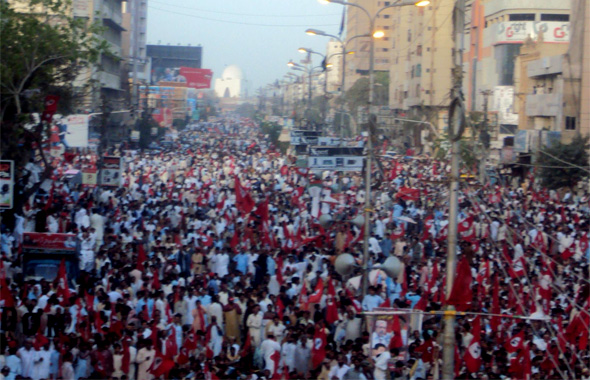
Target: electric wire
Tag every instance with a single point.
(237, 22)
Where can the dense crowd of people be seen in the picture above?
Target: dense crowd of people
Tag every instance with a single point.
(214, 258)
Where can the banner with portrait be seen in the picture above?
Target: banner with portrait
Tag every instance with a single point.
(390, 330)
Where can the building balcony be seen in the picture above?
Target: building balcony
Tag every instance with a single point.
(544, 105)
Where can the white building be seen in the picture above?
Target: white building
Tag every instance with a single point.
(231, 83)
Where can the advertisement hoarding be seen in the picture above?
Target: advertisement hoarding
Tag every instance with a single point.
(196, 78)
(518, 31)
(37, 242)
(6, 184)
(111, 171)
(74, 129)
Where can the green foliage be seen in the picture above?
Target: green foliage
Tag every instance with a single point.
(273, 130)
(563, 165)
(43, 50)
(358, 94)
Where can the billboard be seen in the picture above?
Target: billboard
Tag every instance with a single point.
(73, 131)
(336, 163)
(391, 331)
(518, 31)
(196, 78)
(503, 103)
(111, 171)
(37, 242)
(6, 184)
(335, 151)
(300, 137)
(521, 141)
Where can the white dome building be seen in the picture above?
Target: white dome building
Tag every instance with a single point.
(231, 83)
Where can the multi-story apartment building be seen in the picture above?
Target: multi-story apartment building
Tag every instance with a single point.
(421, 56)
(358, 25)
(134, 40)
(495, 32)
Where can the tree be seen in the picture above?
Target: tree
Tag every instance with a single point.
(358, 94)
(563, 165)
(44, 48)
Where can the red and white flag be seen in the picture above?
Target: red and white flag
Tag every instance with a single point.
(472, 355)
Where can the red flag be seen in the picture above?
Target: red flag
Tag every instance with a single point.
(141, 257)
(473, 353)
(495, 321)
(495, 198)
(465, 224)
(303, 300)
(398, 232)
(171, 346)
(63, 289)
(318, 351)
(276, 358)
(235, 240)
(331, 306)
(50, 108)
(427, 350)
(244, 201)
(6, 298)
(161, 365)
(408, 194)
(126, 361)
(386, 303)
(396, 340)
(461, 294)
(190, 343)
(516, 343)
(280, 307)
(155, 279)
(423, 302)
(247, 345)
(316, 296)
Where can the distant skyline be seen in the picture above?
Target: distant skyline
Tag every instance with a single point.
(260, 36)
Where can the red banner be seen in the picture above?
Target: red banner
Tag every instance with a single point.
(197, 78)
(45, 241)
(50, 108)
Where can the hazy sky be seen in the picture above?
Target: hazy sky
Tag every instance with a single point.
(260, 36)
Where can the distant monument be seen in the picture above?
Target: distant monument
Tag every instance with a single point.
(231, 83)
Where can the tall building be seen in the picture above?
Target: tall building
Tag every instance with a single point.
(334, 60)
(421, 57)
(107, 71)
(495, 31)
(357, 24)
(134, 39)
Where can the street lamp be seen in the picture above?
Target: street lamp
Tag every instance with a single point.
(375, 34)
(317, 32)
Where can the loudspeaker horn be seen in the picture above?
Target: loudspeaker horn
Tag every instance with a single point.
(344, 264)
(358, 221)
(392, 266)
(326, 220)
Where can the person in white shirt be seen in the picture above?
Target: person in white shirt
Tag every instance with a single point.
(381, 362)
(254, 324)
(268, 348)
(338, 371)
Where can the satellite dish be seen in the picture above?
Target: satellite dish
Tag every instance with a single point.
(344, 264)
(326, 220)
(392, 266)
(358, 221)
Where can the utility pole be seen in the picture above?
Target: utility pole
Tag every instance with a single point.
(456, 127)
(135, 97)
(484, 137)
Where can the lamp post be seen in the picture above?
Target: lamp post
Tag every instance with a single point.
(316, 32)
(375, 34)
(306, 70)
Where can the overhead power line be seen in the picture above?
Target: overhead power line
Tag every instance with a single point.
(241, 14)
(239, 22)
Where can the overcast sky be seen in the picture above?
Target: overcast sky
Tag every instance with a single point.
(260, 36)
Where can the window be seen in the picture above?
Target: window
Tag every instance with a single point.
(427, 49)
(387, 3)
(386, 27)
(386, 16)
(419, 50)
(508, 129)
(418, 70)
(427, 70)
(570, 123)
(384, 49)
(522, 17)
(385, 38)
(554, 17)
(427, 91)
